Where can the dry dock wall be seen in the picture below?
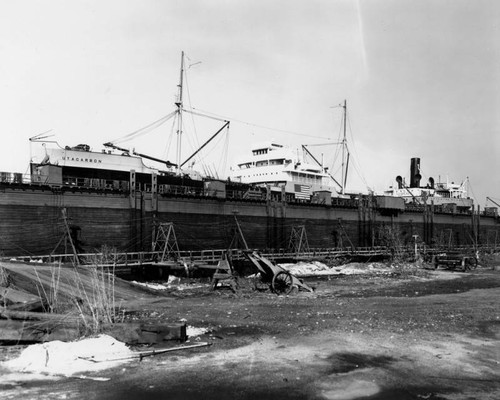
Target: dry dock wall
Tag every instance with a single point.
(31, 222)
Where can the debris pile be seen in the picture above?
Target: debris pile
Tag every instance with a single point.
(52, 302)
(316, 268)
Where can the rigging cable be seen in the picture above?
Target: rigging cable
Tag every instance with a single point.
(196, 145)
(144, 130)
(472, 191)
(196, 139)
(168, 143)
(256, 125)
(337, 150)
(225, 152)
(357, 167)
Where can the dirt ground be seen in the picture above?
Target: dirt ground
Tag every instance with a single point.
(425, 335)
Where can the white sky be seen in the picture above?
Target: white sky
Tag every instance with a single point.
(421, 78)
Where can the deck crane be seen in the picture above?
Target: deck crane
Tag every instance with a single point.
(166, 162)
(493, 201)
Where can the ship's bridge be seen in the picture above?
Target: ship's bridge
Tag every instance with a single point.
(272, 163)
(265, 148)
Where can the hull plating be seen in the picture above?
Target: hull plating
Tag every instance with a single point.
(31, 222)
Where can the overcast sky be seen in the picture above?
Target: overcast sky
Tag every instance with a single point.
(421, 79)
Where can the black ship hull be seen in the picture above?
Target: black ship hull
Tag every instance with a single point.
(31, 221)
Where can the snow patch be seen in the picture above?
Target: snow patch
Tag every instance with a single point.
(318, 268)
(172, 283)
(193, 331)
(69, 358)
(154, 286)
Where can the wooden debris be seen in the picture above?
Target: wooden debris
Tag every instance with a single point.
(137, 333)
(155, 333)
(24, 326)
(14, 331)
(36, 305)
(150, 353)
(225, 272)
(144, 354)
(29, 284)
(10, 295)
(37, 316)
(15, 299)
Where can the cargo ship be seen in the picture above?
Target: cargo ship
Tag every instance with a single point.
(113, 197)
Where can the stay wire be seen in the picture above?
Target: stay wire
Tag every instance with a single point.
(473, 195)
(260, 126)
(168, 143)
(190, 106)
(336, 156)
(355, 163)
(142, 131)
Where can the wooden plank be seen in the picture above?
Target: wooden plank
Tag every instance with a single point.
(39, 316)
(12, 331)
(36, 305)
(161, 332)
(11, 295)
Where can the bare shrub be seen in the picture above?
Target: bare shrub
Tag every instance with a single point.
(490, 260)
(4, 277)
(50, 298)
(390, 237)
(95, 301)
(406, 270)
(4, 284)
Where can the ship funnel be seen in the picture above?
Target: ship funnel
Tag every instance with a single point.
(399, 180)
(431, 182)
(415, 173)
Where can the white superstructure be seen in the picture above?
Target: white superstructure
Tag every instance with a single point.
(442, 193)
(439, 194)
(272, 164)
(81, 157)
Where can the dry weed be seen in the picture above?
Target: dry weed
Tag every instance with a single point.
(404, 270)
(50, 298)
(95, 301)
(4, 277)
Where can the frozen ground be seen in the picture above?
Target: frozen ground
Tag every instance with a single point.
(376, 335)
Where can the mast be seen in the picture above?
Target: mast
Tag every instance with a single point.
(344, 145)
(178, 103)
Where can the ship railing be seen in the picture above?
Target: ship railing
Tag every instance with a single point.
(341, 202)
(489, 213)
(96, 183)
(438, 209)
(14, 177)
(68, 181)
(180, 190)
(243, 195)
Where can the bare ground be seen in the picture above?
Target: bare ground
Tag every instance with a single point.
(429, 335)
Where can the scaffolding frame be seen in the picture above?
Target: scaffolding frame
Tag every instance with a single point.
(165, 242)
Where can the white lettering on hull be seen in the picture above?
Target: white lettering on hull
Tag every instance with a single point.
(87, 160)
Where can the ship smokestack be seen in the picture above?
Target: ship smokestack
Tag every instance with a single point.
(415, 173)
(399, 180)
(431, 182)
